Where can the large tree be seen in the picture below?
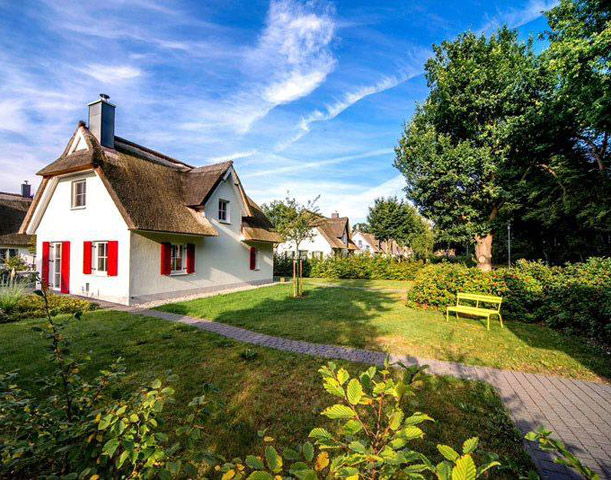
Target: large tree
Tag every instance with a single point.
(456, 152)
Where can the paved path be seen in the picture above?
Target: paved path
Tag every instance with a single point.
(578, 412)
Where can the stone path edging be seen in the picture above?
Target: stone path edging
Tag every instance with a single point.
(578, 412)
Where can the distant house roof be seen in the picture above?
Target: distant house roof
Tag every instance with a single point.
(153, 192)
(371, 240)
(13, 209)
(333, 230)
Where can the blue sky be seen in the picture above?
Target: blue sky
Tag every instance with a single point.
(306, 97)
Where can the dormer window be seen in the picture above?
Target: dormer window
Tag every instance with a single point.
(79, 193)
(224, 211)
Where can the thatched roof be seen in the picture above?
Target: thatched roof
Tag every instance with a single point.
(13, 209)
(153, 192)
(371, 240)
(333, 230)
(257, 227)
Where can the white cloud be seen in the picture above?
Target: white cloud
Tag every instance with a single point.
(291, 59)
(334, 109)
(349, 199)
(516, 17)
(111, 74)
(12, 115)
(297, 166)
(233, 156)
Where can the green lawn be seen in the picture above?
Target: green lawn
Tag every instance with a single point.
(377, 319)
(274, 390)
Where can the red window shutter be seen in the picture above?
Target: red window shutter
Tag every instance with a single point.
(65, 267)
(166, 258)
(190, 258)
(45, 264)
(113, 258)
(253, 258)
(87, 248)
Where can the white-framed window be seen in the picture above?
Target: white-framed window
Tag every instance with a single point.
(99, 257)
(178, 259)
(360, 243)
(224, 210)
(317, 255)
(79, 193)
(55, 265)
(6, 253)
(256, 259)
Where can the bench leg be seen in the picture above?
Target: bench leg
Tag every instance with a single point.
(447, 315)
(501, 320)
(488, 322)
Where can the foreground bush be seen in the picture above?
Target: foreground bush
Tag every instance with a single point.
(367, 267)
(16, 304)
(575, 298)
(83, 429)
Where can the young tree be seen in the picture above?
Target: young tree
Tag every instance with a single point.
(293, 221)
(455, 151)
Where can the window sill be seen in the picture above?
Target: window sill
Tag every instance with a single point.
(225, 222)
(78, 208)
(178, 274)
(99, 274)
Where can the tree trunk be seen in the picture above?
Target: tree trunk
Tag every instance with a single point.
(483, 252)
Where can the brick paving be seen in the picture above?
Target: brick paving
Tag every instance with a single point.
(578, 412)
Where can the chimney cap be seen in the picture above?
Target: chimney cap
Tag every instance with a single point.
(103, 98)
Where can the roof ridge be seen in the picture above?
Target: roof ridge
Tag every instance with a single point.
(227, 163)
(150, 151)
(18, 195)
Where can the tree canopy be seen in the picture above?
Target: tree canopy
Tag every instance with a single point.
(508, 135)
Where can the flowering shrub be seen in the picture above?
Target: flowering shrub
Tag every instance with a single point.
(575, 298)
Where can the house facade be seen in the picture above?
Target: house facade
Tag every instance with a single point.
(120, 222)
(369, 244)
(366, 242)
(13, 209)
(330, 236)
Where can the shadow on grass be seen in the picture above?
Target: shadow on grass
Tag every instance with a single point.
(320, 316)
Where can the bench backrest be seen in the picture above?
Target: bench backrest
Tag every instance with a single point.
(478, 298)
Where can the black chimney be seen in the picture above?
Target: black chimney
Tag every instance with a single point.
(102, 121)
(26, 189)
(335, 215)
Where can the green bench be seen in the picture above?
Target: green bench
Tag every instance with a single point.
(464, 304)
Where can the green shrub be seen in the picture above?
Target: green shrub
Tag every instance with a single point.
(575, 298)
(32, 306)
(365, 267)
(373, 437)
(10, 298)
(283, 266)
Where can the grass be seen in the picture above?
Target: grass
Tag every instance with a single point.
(379, 320)
(261, 388)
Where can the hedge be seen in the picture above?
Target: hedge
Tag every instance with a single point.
(32, 306)
(575, 298)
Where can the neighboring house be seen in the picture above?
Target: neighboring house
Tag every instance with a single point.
(331, 237)
(13, 209)
(366, 242)
(121, 222)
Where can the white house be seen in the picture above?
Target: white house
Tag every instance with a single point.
(120, 222)
(366, 242)
(331, 236)
(13, 209)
